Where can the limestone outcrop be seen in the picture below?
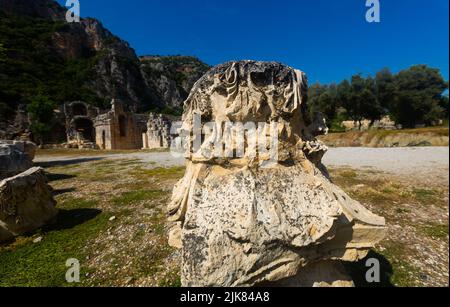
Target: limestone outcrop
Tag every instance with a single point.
(243, 219)
(26, 203)
(15, 157)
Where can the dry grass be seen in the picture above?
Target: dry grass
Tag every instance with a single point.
(415, 252)
(89, 152)
(430, 136)
(112, 219)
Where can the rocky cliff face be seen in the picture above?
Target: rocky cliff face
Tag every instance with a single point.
(40, 53)
(172, 77)
(110, 64)
(48, 9)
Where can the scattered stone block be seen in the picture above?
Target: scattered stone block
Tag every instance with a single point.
(26, 203)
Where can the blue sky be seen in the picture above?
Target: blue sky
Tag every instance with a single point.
(328, 39)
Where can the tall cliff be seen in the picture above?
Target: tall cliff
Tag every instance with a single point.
(172, 77)
(42, 54)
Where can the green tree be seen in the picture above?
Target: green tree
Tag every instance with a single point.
(385, 88)
(371, 106)
(351, 98)
(41, 111)
(323, 99)
(419, 96)
(444, 104)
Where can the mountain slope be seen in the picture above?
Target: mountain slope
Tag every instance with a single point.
(65, 61)
(42, 54)
(172, 77)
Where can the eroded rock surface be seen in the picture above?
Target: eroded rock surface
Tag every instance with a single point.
(242, 223)
(26, 203)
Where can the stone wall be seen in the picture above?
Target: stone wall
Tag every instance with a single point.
(158, 133)
(119, 128)
(79, 121)
(384, 123)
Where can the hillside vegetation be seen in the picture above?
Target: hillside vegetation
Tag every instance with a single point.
(41, 55)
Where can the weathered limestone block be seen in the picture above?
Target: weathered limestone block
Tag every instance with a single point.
(243, 222)
(26, 203)
(15, 157)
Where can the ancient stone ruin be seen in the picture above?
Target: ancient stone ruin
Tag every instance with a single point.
(119, 128)
(240, 223)
(88, 127)
(26, 203)
(158, 133)
(79, 118)
(26, 200)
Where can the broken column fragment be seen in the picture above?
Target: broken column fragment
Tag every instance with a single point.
(243, 222)
(26, 203)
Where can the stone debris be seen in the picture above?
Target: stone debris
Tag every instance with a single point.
(241, 224)
(158, 133)
(26, 203)
(37, 240)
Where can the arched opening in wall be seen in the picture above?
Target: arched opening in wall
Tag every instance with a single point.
(123, 126)
(79, 109)
(86, 128)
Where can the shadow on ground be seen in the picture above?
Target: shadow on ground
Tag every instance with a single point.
(46, 164)
(56, 177)
(358, 270)
(68, 219)
(63, 191)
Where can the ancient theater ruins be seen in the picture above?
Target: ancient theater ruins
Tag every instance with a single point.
(241, 224)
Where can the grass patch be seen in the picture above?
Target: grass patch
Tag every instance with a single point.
(77, 203)
(394, 271)
(137, 196)
(436, 231)
(171, 280)
(43, 264)
(378, 191)
(154, 263)
(402, 272)
(424, 195)
(90, 152)
(160, 174)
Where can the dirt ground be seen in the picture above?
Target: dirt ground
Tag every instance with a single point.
(112, 217)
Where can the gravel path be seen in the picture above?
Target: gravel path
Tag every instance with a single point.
(428, 163)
